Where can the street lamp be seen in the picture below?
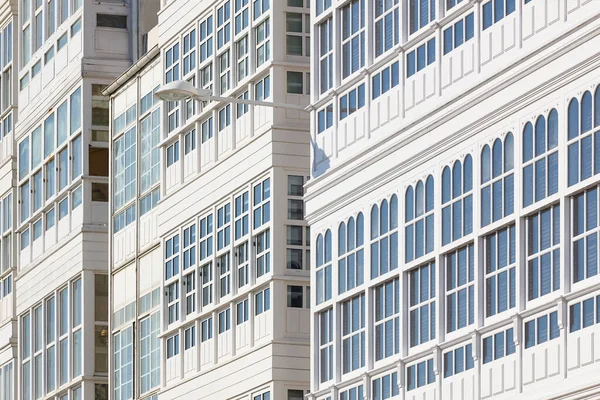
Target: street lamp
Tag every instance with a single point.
(183, 90)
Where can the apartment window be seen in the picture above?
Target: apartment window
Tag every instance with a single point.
(541, 329)
(224, 321)
(543, 252)
(461, 32)
(584, 314)
(421, 13)
(263, 42)
(295, 296)
(294, 82)
(419, 375)
(262, 242)
(419, 224)
(498, 346)
(261, 203)
(242, 312)
(497, 180)
(224, 267)
(384, 237)
(172, 257)
(173, 302)
(224, 73)
(172, 346)
(351, 239)
(584, 223)
(150, 152)
(125, 165)
(223, 25)
(148, 202)
(172, 154)
(387, 319)
(189, 283)
(206, 237)
(353, 37)
(495, 10)
(387, 25)
(189, 52)
(500, 274)
(352, 101)
(207, 330)
(460, 288)
(326, 39)
(421, 57)
(385, 387)
(172, 64)
(263, 396)
(241, 15)
(540, 159)
(452, 3)
(262, 301)
(63, 331)
(241, 48)
(223, 226)
(457, 200)
(324, 278)
(262, 89)
(353, 333)
(189, 247)
(322, 5)
(584, 143)
(25, 201)
(325, 338)
(207, 130)
(123, 368)
(293, 394)
(242, 265)
(325, 118)
(387, 78)
(422, 304)
(111, 21)
(458, 360)
(260, 7)
(241, 206)
(207, 284)
(206, 39)
(189, 338)
(297, 40)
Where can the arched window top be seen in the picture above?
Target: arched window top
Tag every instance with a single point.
(383, 215)
(485, 164)
(374, 221)
(527, 142)
(409, 209)
(429, 199)
(468, 173)
(573, 129)
(319, 250)
(497, 158)
(419, 199)
(351, 234)
(597, 107)
(446, 185)
(360, 232)
(509, 152)
(342, 238)
(457, 179)
(328, 246)
(394, 212)
(552, 129)
(540, 135)
(586, 112)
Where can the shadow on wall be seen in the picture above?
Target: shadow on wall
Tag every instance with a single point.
(320, 161)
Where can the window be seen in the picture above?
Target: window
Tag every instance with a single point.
(422, 304)
(353, 333)
(387, 319)
(421, 57)
(262, 88)
(261, 205)
(420, 374)
(223, 226)
(297, 40)
(294, 82)
(385, 387)
(189, 52)
(451, 3)
(263, 43)
(295, 296)
(172, 64)
(584, 314)
(326, 39)
(540, 159)
(123, 360)
(262, 301)
(322, 5)
(541, 329)
(23, 158)
(150, 352)
(242, 312)
(173, 302)
(224, 321)
(241, 48)
(386, 79)
(241, 15)
(352, 101)
(223, 25)
(543, 252)
(497, 180)
(263, 396)
(584, 156)
(224, 76)
(189, 283)
(460, 288)
(206, 237)
(293, 394)
(242, 264)
(241, 215)
(326, 334)
(351, 239)
(498, 346)
(325, 118)
(206, 38)
(324, 278)
(387, 25)
(111, 21)
(125, 165)
(421, 13)
(353, 37)
(150, 152)
(207, 329)
(172, 154)
(462, 31)
(384, 237)
(25, 201)
(500, 274)
(419, 225)
(172, 346)
(172, 257)
(457, 200)
(584, 223)
(458, 360)
(495, 10)
(207, 284)
(262, 242)
(224, 268)
(260, 7)
(189, 247)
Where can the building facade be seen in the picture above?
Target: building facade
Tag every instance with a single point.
(209, 251)
(453, 199)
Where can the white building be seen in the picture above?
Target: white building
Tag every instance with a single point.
(453, 200)
(209, 251)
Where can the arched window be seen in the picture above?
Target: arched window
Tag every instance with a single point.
(584, 143)
(419, 226)
(323, 268)
(497, 180)
(351, 254)
(457, 200)
(384, 237)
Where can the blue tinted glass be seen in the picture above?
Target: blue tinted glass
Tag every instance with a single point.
(431, 51)
(588, 313)
(459, 360)
(554, 330)
(573, 117)
(421, 57)
(575, 317)
(459, 30)
(488, 354)
(487, 15)
(542, 329)
(469, 26)
(510, 343)
(498, 10)
(448, 364)
(498, 345)
(395, 74)
(469, 356)
(448, 43)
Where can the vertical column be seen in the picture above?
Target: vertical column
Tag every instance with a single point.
(477, 21)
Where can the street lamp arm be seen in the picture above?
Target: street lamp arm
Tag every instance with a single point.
(255, 103)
